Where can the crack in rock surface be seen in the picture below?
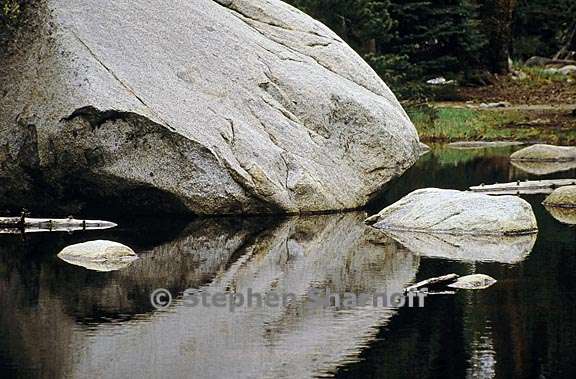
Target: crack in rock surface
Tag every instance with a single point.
(231, 107)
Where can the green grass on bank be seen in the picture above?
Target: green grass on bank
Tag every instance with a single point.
(457, 124)
(539, 76)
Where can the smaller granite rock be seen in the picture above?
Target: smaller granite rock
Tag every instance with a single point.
(500, 104)
(433, 210)
(482, 144)
(564, 197)
(567, 70)
(537, 61)
(473, 282)
(99, 255)
(542, 152)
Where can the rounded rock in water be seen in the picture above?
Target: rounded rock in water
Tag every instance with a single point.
(564, 197)
(99, 255)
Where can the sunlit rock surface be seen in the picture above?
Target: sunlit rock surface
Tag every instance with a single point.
(564, 197)
(209, 107)
(543, 152)
(455, 212)
(99, 255)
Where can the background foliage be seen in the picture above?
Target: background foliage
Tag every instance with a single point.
(410, 41)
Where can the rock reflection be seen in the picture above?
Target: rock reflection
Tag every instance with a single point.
(467, 248)
(333, 252)
(54, 306)
(202, 250)
(563, 215)
(544, 168)
(106, 266)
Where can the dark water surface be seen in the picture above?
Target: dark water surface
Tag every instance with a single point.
(59, 320)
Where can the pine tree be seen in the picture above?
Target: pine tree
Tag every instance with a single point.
(361, 23)
(543, 27)
(497, 16)
(440, 37)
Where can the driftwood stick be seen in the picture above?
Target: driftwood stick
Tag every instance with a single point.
(526, 187)
(26, 225)
(433, 282)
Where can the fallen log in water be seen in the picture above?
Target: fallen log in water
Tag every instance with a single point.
(469, 282)
(526, 187)
(433, 282)
(31, 225)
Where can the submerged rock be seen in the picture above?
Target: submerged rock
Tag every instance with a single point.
(564, 197)
(99, 255)
(209, 107)
(473, 282)
(455, 212)
(542, 152)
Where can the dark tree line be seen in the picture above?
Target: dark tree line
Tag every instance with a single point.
(410, 40)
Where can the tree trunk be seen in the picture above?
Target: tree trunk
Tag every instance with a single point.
(497, 20)
(370, 46)
(570, 46)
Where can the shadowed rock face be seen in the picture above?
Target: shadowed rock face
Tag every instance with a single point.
(210, 107)
(338, 253)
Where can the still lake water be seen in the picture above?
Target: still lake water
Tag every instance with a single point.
(59, 320)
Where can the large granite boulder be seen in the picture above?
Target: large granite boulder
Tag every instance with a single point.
(209, 107)
(545, 153)
(455, 212)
